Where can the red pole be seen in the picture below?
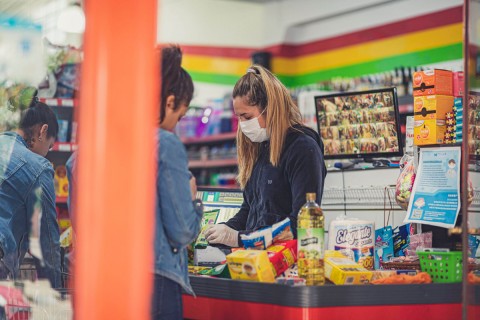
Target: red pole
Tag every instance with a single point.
(116, 166)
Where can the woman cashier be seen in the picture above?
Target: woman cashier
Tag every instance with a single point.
(279, 159)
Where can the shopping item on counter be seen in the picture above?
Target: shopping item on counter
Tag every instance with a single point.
(405, 181)
(402, 264)
(291, 281)
(383, 245)
(282, 255)
(220, 271)
(443, 265)
(381, 274)
(195, 270)
(258, 240)
(473, 243)
(250, 265)
(209, 218)
(430, 82)
(209, 256)
(291, 272)
(418, 242)
(343, 271)
(354, 238)
(420, 278)
(401, 240)
(281, 231)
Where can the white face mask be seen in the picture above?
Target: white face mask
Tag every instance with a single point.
(251, 128)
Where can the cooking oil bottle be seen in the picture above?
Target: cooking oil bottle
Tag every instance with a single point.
(310, 234)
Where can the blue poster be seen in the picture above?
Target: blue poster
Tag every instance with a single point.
(435, 198)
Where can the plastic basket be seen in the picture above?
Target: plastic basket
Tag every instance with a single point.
(442, 266)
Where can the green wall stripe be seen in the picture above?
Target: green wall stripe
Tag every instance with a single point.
(447, 53)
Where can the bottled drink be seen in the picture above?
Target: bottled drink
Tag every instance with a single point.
(310, 233)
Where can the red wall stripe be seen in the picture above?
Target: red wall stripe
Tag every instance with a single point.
(423, 22)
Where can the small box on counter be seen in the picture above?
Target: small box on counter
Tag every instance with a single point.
(430, 82)
(428, 132)
(343, 271)
(250, 265)
(282, 255)
(458, 84)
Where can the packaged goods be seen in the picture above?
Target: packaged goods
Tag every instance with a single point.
(220, 271)
(291, 272)
(429, 132)
(290, 281)
(343, 271)
(209, 218)
(418, 242)
(310, 232)
(209, 256)
(281, 231)
(409, 135)
(430, 82)
(259, 240)
(419, 278)
(282, 256)
(354, 238)
(250, 265)
(432, 107)
(458, 84)
(473, 243)
(196, 269)
(405, 181)
(383, 245)
(401, 240)
(382, 274)
(61, 181)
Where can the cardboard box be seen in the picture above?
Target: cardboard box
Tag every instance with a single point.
(282, 256)
(430, 82)
(429, 131)
(458, 84)
(432, 107)
(342, 271)
(252, 265)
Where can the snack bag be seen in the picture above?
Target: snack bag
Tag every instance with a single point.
(258, 240)
(401, 240)
(405, 181)
(383, 245)
(281, 231)
(209, 218)
(418, 242)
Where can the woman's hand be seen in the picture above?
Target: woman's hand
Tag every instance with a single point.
(222, 234)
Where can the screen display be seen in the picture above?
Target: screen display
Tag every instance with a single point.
(356, 124)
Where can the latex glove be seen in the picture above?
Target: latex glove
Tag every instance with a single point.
(221, 233)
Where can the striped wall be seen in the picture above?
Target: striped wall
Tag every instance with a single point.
(427, 39)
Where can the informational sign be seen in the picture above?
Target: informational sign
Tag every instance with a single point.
(435, 198)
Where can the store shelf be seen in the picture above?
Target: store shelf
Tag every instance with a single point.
(225, 186)
(61, 200)
(197, 164)
(211, 139)
(64, 147)
(58, 102)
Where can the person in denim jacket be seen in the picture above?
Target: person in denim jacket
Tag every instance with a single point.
(27, 195)
(178, 214)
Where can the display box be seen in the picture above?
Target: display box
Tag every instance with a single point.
(458, 84)
(282, 255)
(429, 131)
(343, 271)
(250, 265)
(428, 82)
(432, 107)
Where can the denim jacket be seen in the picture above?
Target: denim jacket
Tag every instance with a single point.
(26, 189)
(177, 217)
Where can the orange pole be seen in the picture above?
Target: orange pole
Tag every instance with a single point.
(116, 164)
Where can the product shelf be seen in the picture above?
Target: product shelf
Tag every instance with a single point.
(211, 139)
(198, 164)
(59, 102)
(64, 147)
(359, 196)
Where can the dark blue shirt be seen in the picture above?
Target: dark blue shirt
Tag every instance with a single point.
(274, 193)
(27, 208)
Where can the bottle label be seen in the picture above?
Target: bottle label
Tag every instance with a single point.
(310, 243)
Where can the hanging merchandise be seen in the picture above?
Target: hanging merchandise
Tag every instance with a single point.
(383, 245)
(405, 181)
(401, 240)
(435, 196)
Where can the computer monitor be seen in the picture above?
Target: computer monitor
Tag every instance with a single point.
(362, 124)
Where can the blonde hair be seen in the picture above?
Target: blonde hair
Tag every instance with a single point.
(262, 89)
